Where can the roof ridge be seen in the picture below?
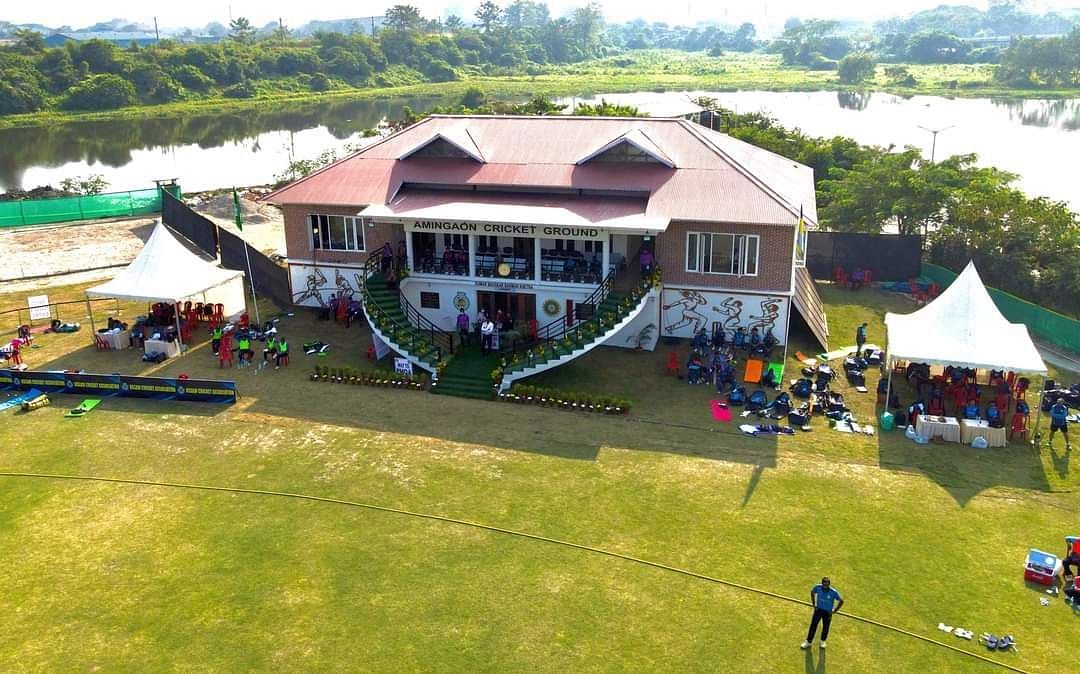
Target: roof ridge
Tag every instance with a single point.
(352, 155)
(747, 173)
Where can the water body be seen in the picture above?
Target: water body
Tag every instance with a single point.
(202, 151)
(1036, 139)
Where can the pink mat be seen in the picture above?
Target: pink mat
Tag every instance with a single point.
(720, 413)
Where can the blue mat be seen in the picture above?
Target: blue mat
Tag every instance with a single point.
(15, 401)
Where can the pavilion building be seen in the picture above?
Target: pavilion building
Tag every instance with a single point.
(530, 215)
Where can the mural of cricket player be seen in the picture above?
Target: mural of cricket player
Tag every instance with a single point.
(315, 281)
(345, 288)
(690, 302)
(731, 309)
(770, 311)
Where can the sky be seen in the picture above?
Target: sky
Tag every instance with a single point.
(79, 13)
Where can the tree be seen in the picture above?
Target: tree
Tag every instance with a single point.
(29, 41)
(241, 30)
(605, 109)
(94, 183)
(588, 22)
(100, 92)
(856, 68)
(454, 24)
(488, 16)
(403, 17)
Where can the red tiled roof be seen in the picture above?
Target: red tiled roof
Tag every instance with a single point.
(716, 178)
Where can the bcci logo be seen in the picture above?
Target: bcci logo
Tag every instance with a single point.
(180, 390)
(461, 301)
(69, 384)
(124, 386)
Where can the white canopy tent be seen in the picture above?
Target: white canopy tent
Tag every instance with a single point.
(166, 271)
(961, 327)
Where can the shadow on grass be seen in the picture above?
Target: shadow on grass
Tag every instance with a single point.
(808, 661)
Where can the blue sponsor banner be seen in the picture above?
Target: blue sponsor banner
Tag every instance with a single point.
(157, 388)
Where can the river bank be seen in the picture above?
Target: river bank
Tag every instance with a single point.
(634, 71)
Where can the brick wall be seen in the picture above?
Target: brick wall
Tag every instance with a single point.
(774, 258)
(298, 236)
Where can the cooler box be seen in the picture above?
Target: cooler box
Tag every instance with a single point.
(1041, 567)
(888, 422)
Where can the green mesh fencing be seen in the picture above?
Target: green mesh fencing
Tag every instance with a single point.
(67, 209)
(1043, 323)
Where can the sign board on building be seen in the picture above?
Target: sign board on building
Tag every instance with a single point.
(39, 307)
(507, 229)
(402, 366)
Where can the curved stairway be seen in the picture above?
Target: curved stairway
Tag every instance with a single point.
(467, 373)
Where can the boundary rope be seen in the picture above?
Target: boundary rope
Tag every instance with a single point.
(512, 532)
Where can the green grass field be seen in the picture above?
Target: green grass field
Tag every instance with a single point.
(118, 576)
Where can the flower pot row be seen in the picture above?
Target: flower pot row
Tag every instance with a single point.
(349, 375)
(580, 402)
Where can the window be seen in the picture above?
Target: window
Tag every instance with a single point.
(336, 232)
(735, 254)
(429, 300)
(594, 247)
(456, 241)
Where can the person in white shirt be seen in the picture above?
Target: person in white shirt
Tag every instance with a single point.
(487, 331)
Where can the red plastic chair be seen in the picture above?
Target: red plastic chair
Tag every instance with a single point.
(1019, 425)
(937, 407)
(1001, 401)
(198, 311)
(959, 396)
(934, 290)
(533, 328)
(868, 277)
(673, 363)
(225, 352)
(840, 276)
(918, 293)
(219, 314)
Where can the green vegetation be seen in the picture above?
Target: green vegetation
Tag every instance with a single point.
(103, 575)
(1026, 246)
(1042, 62)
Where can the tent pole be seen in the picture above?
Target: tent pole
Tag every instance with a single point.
(888, 386)
(179, 333)
(90, 313)
(1038, 412)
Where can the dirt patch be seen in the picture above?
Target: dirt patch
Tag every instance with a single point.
(264, 224)
(42, 251)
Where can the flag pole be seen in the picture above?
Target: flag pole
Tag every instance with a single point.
(247, 256)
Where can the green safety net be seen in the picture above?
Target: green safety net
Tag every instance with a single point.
(1043, 323)
(67, 209)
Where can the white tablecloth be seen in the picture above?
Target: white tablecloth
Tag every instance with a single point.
(117, 340)
(974, 428)
(947, 428)
(170, 349)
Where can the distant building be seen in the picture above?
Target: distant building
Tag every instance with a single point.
(121, 39)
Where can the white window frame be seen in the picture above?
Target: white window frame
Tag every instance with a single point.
(354, 232)
(697, 263)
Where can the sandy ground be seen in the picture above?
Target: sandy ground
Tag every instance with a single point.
(77, 252)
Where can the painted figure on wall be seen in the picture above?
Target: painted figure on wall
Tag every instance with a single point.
(345, 288)
(731, 309)
(315, 281)
(770, 311)
(690, 301)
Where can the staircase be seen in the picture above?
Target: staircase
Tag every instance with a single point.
(560, 346)
(398, 323)
(468, 375)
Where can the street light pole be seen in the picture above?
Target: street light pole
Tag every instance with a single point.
(933, 144)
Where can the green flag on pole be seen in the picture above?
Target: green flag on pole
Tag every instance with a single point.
(238, 214)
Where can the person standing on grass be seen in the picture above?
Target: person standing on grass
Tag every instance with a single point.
(860, 340)
(1059, 421)
(823, 596)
